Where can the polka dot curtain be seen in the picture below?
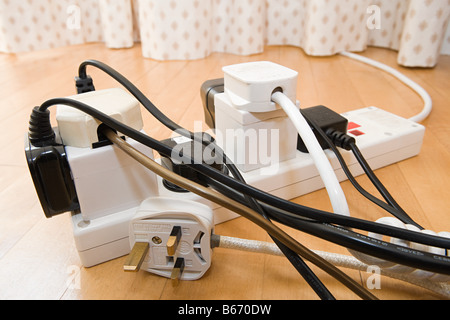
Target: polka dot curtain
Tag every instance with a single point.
(193, 29)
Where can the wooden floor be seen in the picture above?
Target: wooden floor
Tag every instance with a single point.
(38, 259)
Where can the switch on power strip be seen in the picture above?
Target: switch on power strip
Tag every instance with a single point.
(383, 138)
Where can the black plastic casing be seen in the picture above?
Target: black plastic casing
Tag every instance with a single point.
(208, 90)
(190, 149)
(50, 171)
(326, 119)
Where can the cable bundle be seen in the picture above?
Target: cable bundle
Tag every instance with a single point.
(234, 193)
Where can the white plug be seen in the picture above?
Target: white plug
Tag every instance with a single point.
(252, 129)
(250, 85)
(171, 237)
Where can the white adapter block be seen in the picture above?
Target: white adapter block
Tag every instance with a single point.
(153, 223)
(250, 85)
(382, 137)
(253, 140)
(110, 187)
(252, 129)
(108, 181)
(77, 129)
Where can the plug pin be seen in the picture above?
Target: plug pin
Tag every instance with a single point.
(178, 269)
(173, 241)
(136, 257)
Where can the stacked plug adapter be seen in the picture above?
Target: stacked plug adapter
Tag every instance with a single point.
(253, 130)
(76, 170)
(171, 237)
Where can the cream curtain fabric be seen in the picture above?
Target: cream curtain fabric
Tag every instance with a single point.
(193, 29)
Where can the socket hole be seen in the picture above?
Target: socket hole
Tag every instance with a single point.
(198, 252)
(199, 237)
(102, 139)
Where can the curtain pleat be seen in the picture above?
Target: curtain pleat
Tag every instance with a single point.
(193, 29)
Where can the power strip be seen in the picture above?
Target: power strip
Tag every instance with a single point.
(382, 137)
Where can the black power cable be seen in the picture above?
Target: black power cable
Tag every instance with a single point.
(380, 187)
(333, 139)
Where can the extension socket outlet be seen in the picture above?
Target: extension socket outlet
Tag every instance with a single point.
(382, 137)
(154, 224)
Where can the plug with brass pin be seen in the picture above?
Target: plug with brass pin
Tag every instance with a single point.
(136, 257)
(173, 241)
(178, 232)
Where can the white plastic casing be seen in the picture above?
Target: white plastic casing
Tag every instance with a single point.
(110, 185)
(253, 140)
(249, 86)
(107, 180)
(156, 218)
(78, 129)
(252, 130)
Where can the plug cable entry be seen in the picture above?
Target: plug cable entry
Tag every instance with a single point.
(40, 131)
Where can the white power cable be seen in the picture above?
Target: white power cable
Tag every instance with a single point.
(335, 192)
(428, 103)
(338, 260)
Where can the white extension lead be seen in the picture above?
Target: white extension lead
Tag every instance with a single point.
(428, 104)
(339, 260)
(326, 171)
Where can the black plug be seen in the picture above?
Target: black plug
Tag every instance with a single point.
(207, 91)
(49, 167)
(341, 139)
(84, 85)
(327, 120)
(196, 150)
